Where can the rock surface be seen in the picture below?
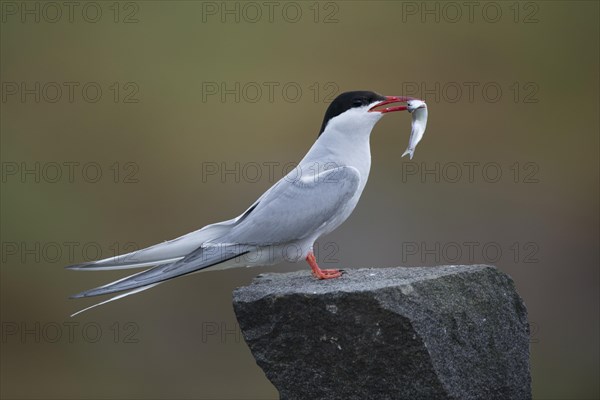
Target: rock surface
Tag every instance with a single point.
(447, 332)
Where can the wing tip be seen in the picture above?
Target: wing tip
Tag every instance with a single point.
(91, 266)
(78, 295)
(409, 152)
(77, 266)
(131, 263)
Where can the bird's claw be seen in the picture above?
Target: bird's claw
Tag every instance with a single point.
(328, 273)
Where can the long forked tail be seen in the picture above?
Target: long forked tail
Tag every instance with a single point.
(199, 259)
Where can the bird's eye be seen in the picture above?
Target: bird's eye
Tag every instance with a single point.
(358, 102)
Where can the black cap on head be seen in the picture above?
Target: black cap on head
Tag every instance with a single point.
(348, 100)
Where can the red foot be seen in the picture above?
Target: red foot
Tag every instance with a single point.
(321, 273)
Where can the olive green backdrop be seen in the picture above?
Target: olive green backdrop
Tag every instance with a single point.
(126, 124)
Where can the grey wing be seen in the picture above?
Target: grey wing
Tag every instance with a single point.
(294, 208)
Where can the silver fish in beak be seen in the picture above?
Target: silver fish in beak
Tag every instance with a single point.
(418, 109)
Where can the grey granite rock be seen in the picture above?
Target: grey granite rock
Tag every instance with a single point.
(447, 332)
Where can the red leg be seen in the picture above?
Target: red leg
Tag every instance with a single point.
(321, 273)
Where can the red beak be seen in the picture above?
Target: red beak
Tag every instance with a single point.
(390, 100)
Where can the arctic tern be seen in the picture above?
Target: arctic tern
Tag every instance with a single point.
(284, 223)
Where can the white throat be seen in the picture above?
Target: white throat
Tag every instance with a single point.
(354, 123)
(345, 141)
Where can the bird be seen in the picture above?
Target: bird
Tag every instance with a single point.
(284, 222)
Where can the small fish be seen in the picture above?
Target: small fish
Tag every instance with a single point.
(418, 109)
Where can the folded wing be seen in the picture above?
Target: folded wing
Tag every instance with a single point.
(295, 208)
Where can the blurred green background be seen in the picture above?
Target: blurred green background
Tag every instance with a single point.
(161, 121)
